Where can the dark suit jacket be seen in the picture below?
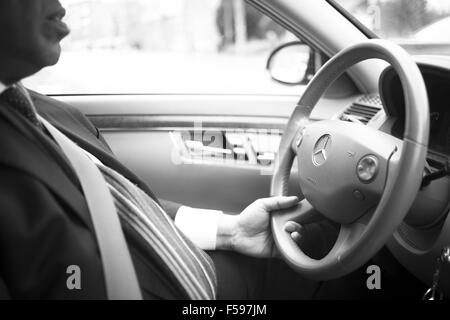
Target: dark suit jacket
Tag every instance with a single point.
(45, 224)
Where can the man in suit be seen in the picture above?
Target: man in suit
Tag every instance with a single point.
(45, 222)
(44, 219)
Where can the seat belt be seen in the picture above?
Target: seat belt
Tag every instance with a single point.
(120, 275)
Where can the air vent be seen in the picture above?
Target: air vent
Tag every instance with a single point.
(363, 110)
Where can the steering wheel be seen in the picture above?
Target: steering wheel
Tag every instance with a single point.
(361, 178)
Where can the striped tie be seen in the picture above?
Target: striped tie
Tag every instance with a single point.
(192, 268)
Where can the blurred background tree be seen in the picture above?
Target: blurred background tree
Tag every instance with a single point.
(397, 18)
(400, 18)
(238, 22)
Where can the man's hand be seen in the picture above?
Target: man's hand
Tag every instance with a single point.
(249, 233)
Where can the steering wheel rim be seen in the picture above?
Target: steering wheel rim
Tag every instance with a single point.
(361, 238)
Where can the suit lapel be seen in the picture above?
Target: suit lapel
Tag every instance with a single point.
(105, 157)
(28, 149)
(58, 114)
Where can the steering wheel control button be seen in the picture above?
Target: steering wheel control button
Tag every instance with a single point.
(358, 195)
(367, 168)
(299, 140)
(321, 150)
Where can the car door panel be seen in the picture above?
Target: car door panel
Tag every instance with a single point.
(159, 138)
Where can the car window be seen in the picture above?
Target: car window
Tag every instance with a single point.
(160, 46)
(420, 26)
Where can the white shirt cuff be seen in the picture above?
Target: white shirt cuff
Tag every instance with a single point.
(199, 225)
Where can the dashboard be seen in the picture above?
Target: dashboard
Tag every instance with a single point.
(425, 231)
(436, 75)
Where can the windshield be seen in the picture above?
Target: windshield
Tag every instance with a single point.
(420, 26)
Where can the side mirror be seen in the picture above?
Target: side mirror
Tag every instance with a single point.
(292, 63)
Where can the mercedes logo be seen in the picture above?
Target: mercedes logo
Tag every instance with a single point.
(321, 149)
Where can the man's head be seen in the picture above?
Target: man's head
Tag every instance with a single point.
(30, 33)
